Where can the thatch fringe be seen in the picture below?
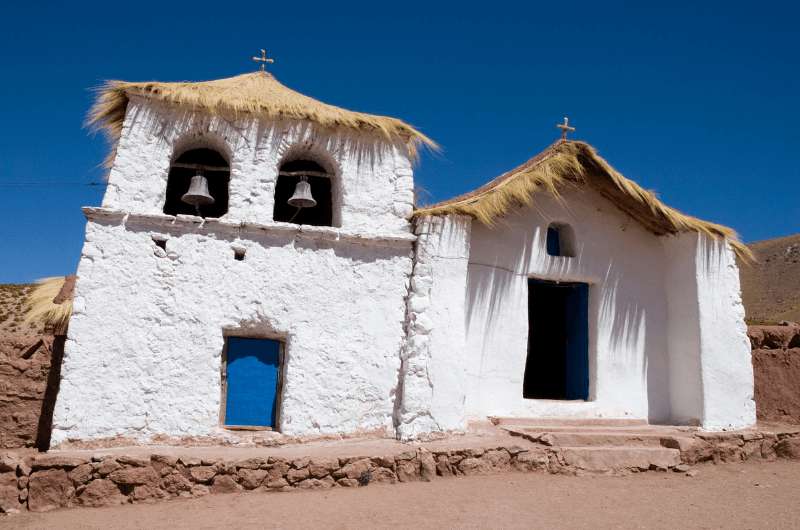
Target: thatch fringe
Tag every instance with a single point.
(577, 163)
(259, 94)
(49, 304)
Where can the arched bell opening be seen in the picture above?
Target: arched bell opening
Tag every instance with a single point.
(303, 194)
(198, 184)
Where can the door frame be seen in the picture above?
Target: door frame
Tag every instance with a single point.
(278, 390)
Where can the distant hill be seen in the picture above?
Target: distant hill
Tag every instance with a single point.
(771, 287)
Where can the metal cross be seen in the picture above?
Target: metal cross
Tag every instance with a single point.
(565, 129)
(263, 59)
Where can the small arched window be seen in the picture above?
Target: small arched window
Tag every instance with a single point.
(560, 240)
(292, 204)
(214, 170)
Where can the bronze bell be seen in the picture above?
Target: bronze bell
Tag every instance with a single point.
(302, 195)
(198, 192)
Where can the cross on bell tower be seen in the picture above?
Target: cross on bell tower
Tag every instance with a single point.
(565, 129)
(263, 59)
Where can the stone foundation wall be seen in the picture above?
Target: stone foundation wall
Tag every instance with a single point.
(46, 482)
(776, 367)
(24, 371)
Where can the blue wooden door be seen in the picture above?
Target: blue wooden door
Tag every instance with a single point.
(577, 354)
(252, 382)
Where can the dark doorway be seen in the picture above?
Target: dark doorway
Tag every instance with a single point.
(252, 382)
(558, 341)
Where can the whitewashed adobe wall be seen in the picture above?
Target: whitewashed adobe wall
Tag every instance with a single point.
(624, 265)
(373, 180)
(711, 370)
(143, 356)
(433, 372)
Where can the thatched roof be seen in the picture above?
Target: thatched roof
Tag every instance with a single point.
(576, 163)
(50, 303)
(256, 93)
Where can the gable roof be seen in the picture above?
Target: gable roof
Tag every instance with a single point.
(578, 164)
(258, 93)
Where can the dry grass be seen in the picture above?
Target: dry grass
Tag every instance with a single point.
(12, 309)
(41, 307)
(259, 94)
(576, 164)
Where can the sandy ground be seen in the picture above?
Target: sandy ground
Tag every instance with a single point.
(750, 495)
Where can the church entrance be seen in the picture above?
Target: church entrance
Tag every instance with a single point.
(557, 366)
(251, 382)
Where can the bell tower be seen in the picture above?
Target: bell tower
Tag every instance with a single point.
(240, 210)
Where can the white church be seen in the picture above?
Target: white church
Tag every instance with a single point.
(258, 263)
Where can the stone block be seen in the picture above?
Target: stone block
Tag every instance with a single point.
(474, 466)
(101, 492)
(316, 483)
(134, 476)
(250, 463)
(321, 467)
(81, 474)
(533, 460)
(175, 483)
(107, 466)
(202, 474)
(250, 479)
(788, 448)
(408, 470)
(9, 494)
(224, 484)
(296, 475)
(57, 461)
(136, 461)
(49, 489)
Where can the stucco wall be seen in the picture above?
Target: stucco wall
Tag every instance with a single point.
(685, 350)
(726, 365)
(433, 371)
(624, 266)
(710, 361)
(143, 355)
(373, 180)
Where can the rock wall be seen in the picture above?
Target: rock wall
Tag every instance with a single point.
(776, 366)
(46, 482)
(24, 371)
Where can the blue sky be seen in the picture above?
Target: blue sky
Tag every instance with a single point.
(697, 102)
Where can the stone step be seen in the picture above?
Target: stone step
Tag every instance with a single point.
(600, 438)
(567, 422)
(610, 459)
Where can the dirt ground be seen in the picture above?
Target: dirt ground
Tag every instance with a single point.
(749, 495)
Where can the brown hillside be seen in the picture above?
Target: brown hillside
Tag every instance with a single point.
(771, 286)
(12, 309)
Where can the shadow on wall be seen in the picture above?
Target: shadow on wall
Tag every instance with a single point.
(618, 320)
(45, 426)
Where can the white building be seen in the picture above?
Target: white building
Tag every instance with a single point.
(560, 289)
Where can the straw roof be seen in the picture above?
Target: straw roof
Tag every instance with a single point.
(256, 93)
(576, 163)
(50, 302)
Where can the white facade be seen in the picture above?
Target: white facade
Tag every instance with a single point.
(386, 328)
(667, 339)
(143, 356)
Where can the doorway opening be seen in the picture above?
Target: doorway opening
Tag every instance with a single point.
(252, 381)
(557, 366)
